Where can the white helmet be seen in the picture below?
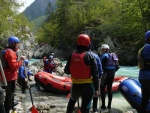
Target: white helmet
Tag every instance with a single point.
(104, 46)
(52, 54)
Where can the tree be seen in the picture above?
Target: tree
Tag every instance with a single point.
(10, 21)
(122, 20)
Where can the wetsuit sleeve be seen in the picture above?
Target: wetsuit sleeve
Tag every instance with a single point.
(99, 64)
(29, 72)
(45, 61)
(21, 72)
(90, 60)
(67, 67)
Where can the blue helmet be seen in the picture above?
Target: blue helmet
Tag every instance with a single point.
(51, 56)
(26, 61)
(147, 35)
(13, 39)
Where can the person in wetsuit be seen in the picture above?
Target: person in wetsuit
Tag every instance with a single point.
(110, 65)
(49, 64)
(82, 66)
(11, 65)
(144, 72)
(99, 64)
(24, 74)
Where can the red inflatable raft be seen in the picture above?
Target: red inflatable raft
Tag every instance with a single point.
(52, 82)
(59, 84)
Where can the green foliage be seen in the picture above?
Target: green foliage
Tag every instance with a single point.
(124, 20)
(11, 23)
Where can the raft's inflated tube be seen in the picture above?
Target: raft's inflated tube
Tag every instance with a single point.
(131, 91)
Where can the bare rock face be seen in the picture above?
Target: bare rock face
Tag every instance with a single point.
(45, 49)
(27, 45)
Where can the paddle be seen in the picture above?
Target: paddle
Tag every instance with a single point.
(33, 109)
(68, 96)
(99, 96)
(78, 106)
(6, 88)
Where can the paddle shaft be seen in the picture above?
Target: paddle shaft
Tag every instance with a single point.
(99, 96)
(3, 75)
(28, 83)
(78, 106)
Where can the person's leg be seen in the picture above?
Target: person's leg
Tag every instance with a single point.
(102, 90)
(109, 89)
(8, 97)
(95, 100)
(12, 92)
(24, 84)
(145, 95)
(87, 96)
(70, 106)
(75, 93)
(109, 83)
(2, 108)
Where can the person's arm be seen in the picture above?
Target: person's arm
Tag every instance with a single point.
(99, 64)
(29, 72)
(22, 72)
(44, 59)
(90, 60)
(103, 60)
(67, 67)
(11, 58)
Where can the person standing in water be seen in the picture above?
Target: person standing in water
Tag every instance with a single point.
(144, 72)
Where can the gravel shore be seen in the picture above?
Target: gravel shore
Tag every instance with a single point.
(47, 102)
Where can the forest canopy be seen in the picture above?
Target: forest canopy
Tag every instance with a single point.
(123, 20)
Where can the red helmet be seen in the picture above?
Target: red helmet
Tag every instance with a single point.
(83, 40)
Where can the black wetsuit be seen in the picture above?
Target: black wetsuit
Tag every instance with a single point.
(83, 90)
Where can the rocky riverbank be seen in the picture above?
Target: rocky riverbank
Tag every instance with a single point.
(48, 102)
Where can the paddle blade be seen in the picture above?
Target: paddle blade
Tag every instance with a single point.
(68, 96)
(79, 111)
(34, 110)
